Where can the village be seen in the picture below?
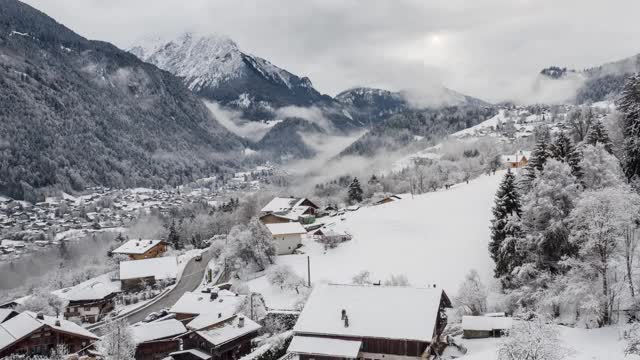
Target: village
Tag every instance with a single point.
(215, 319)
(26, 227)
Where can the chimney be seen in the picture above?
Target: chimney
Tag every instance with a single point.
(214, 295)
(40, 316)
(219, 315)
(346, 321)
(344, 314)
(240, 321)
(57, 322)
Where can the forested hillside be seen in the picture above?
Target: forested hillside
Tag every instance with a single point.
(77, 113)
(402, 129)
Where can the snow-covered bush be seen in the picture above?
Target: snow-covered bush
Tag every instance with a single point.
(534, 339)
(284, 277)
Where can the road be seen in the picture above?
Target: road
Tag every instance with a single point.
(190, 280)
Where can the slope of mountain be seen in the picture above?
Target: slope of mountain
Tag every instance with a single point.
(404, 128)
(215, 68)
(599, 83)
(285, 140)
(77, 113)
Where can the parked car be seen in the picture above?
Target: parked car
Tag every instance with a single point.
(151, 317)
(199, 257)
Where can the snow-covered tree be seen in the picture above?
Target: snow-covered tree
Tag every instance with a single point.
(534, 339)
(472, 294)
(43, 301)
(562, 149)
(355, 191)
(117, 342)
(397, 280)
(546, 208)
(173, 238)
(362, 278)
(250, 245)
(538, 158)
(632, 337)
(597, 228)
(629, 105)
(507, 203)
(599, 135)
(284, 277)
(600, 169)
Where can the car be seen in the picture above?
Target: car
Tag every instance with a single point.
(199, 257)
(151, 317)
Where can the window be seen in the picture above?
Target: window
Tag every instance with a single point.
(87, 308)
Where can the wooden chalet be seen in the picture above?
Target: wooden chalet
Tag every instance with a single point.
(370, 322)
(141, 249)
(155, 340)
(518, 160)
(32, 334)
(388, 199)
(91, 300)
(221, 338)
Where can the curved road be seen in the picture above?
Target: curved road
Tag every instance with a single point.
(191, 278)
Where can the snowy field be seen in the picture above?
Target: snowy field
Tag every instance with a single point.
(584, 344)
(434, 238)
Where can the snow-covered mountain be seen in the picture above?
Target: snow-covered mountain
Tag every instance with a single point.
(214, 67)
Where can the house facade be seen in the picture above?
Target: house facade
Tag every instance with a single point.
(91, 300)
(136, 273)
(34, 334)
(518, 160)
(155, 340)
(287, 236)
(370, 322)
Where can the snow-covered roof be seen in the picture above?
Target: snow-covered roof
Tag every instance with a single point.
(229, 330)
(136, 247)
(195, 352)
(27, 322)
(286, 228)
(486, 323)
(373, 311)
(5, 313)
(517, 156)
(280, 204)
(157, 330)
(201, 304)
(311, 345)
(159, 268)
(93, 289)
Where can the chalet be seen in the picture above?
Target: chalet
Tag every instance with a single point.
(281, 210)
(518, 160)
(370, 322)
(287, 237)
(134, 273)
(34, 334)
(201, 307)
(155, 340)
(223, 338)
(91, 300)
(142, 249)
(388, 199)
(476, 327)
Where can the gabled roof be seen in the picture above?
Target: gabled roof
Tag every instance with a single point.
(93, 289)
(373, 311)
(6, 314)
(158, 268)
(201, 304)
(24, 324)
(228, 330)
(286, 228)
(286, 204)
(157, 330)
(136, 247)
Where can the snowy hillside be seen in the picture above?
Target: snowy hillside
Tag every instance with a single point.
(420, 238)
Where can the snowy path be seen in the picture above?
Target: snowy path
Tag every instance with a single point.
(434, 238)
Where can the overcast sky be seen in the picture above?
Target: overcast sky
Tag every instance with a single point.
(491, 49)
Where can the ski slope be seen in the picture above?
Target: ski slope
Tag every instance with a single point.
(433, 238)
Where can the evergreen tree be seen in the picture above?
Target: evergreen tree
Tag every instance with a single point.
(563, 150)
(373, 180)
(599, 135)
(355, 191)
(538, 158)
(173, 238)
(507, 204)
(629, 106)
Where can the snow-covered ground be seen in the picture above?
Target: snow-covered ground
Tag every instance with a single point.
(585, 344)
(434, 238)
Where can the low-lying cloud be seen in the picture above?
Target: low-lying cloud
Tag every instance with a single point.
(232, 120)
